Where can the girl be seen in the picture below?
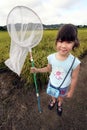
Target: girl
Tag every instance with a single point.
(59, 64)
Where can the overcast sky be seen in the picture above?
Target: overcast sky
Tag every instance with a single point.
(50, 11)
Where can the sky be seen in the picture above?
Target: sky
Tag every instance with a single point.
(49, 11)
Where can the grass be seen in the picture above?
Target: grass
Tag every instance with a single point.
(40, 52)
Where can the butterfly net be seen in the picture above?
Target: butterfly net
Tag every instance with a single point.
(25, 29)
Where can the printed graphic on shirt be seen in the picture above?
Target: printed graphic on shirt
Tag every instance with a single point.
(59, 73)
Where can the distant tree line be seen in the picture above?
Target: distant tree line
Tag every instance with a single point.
(53, 26)
(3, 28)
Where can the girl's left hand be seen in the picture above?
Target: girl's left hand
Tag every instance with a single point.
(69, 94)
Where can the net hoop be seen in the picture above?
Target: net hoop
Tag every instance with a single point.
(11, 26)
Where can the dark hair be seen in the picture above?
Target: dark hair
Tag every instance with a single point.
(68, 32)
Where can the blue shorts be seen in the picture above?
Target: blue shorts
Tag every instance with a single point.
(63, 91)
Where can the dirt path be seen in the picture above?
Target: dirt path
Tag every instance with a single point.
(19, 111)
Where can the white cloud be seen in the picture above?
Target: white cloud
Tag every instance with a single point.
(50, 11)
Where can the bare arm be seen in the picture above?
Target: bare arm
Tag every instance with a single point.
(74, 79)
(41, 70)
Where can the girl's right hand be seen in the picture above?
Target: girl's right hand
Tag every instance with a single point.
(33, 70)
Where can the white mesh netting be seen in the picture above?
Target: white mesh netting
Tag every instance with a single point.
(26, 30)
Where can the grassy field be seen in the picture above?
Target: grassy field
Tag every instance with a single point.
(40, 52)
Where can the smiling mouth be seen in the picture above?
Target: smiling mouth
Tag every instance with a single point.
(63, 50)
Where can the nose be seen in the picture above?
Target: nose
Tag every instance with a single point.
(63, 44)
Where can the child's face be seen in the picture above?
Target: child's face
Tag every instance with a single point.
(64, 47)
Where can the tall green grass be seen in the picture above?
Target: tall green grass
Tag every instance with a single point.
(40, 52)
(4, 47)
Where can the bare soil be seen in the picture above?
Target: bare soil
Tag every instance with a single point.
(19, 109)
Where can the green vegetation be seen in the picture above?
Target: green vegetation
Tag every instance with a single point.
(40, 52)
(4, 47)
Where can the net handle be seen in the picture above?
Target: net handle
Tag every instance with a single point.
(35, 82)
